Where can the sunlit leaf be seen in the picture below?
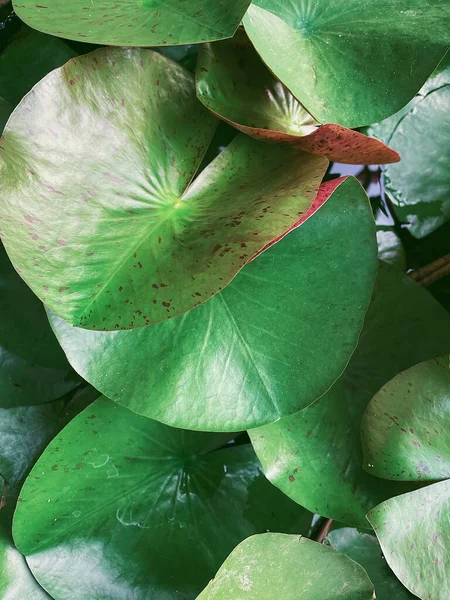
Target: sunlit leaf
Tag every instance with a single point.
(350, 62)
(390, 247)
(118, 493)
(112, 141)
(315, 456)
(270, 344)
(404, 430)
(234, 84)
(135, 22)
(413, 530)
(274, 565)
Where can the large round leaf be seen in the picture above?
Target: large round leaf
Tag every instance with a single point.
(413, 530)
(234, 84)
(270, 344)
(315, 456)
(350, 62)
(419, 188)
(135, 22)
(16, 581)
(116, 139)
(274, 565)
(26, 430)
(116, 493)
(365, 549)
(24, 326)
(405, 431)
(5, 110)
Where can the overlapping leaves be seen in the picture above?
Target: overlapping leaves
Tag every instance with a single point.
(352, 62)
(118, 493)
(113, 141)
(234, 84)
(268, 345)
(316, 456)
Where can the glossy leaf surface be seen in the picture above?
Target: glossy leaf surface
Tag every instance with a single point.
(365, 550)
(420, 187)
(26, 430)
(16, 580)
(316, 456)
(271, 343)
(323, 51)
(152, 243)
(274, 565)
(118, 493)
(234, 84)
(413, 530)
(135, 22)
(404, 430)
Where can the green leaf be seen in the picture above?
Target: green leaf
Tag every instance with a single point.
(365, 549)
(28, 59)
(236, 86)
(162, 507)
(349, 62)
(24, 327)
(16, 581)
(419, 187)
(274, 565)
(135, 22)
(315, 456)
(117, 137)
(413, 530)
(33, 368)
(404, 430)
(26, 431)
(270, 344)
(5, 110)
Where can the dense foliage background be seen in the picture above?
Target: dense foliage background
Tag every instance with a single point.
(225, 293)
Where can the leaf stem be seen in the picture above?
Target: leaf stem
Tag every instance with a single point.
(433, 272)
(321, 529)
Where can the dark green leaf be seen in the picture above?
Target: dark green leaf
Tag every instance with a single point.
(25, 431)
(5, 110)
(135, 22)
(365, 549)
(28, 59)
(116, 139)
(405, 430)
(349, 62)
(116, 493)
(234, 84)
(414, 534)
(315, 456)
(274, 565)
(270, 344)
(419, 186)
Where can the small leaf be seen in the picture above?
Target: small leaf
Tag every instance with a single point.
(405, 430)
(236, 86)
(274, 565)
(419, 188)
(135, 22)
(116, 139)
(324, 52)
(390, 247)
(414, 534)
(269, 344)
(118, 493)
(315, 456)
(365, 549)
